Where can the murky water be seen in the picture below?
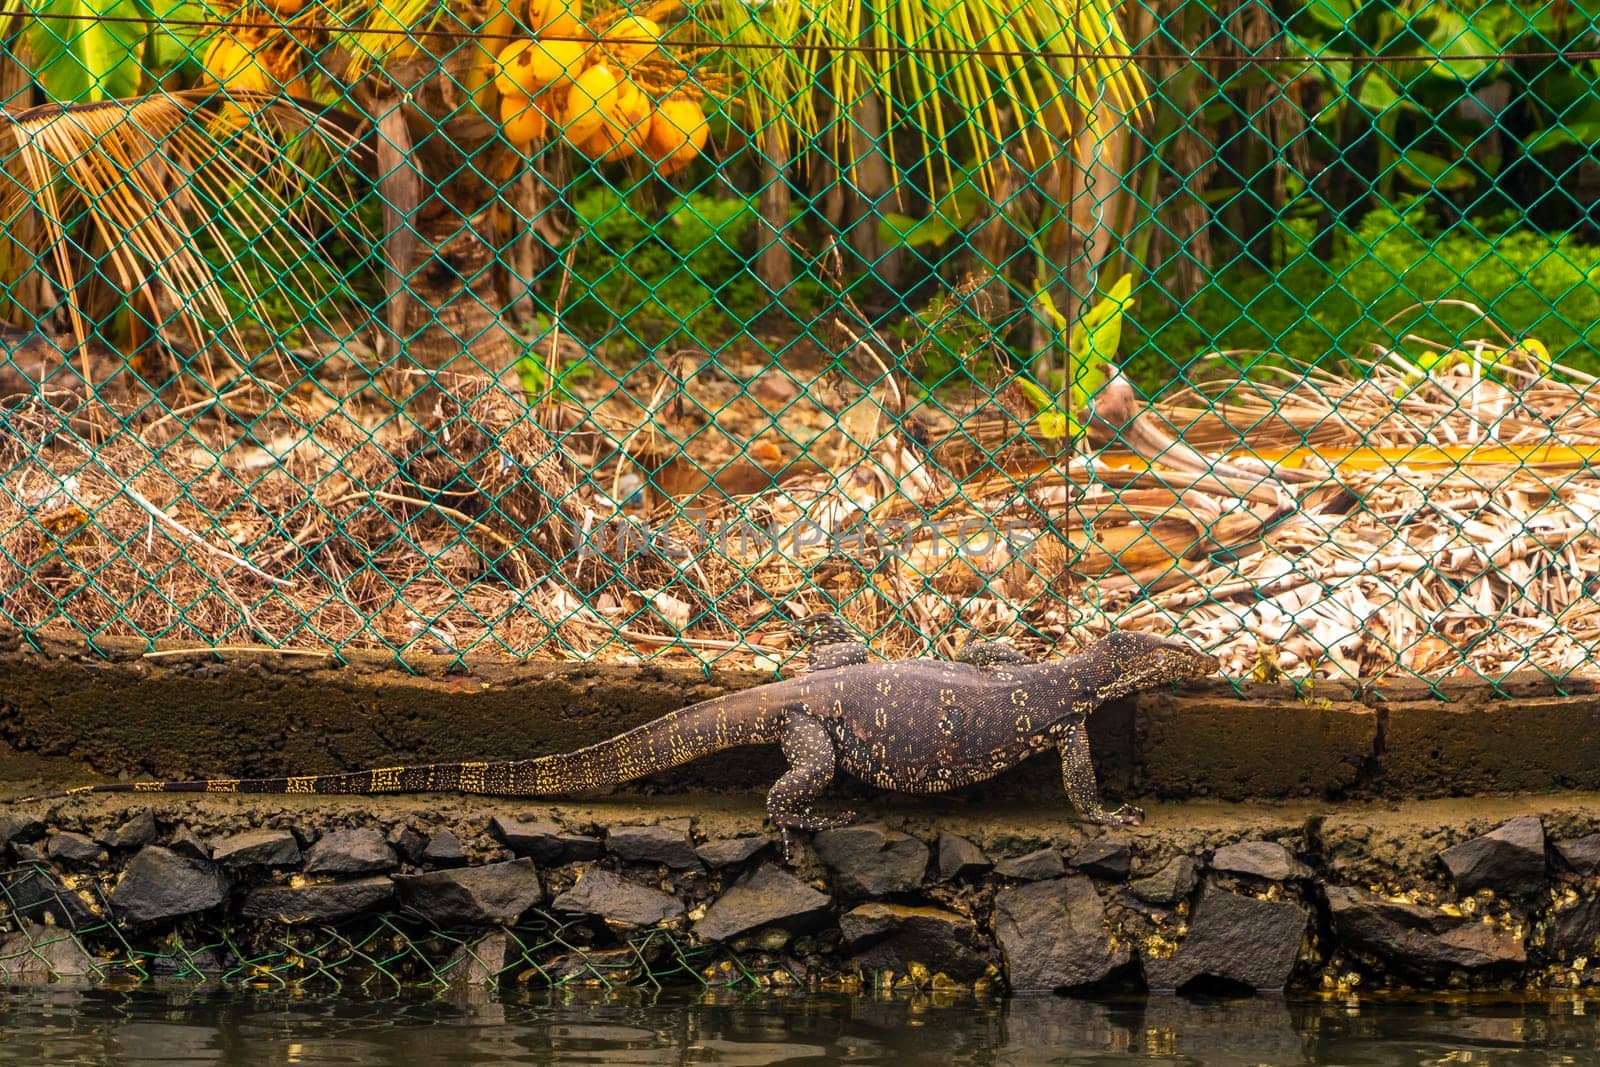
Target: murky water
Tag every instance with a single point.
(44, 1026)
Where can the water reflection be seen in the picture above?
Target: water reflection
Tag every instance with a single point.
(239, 1027)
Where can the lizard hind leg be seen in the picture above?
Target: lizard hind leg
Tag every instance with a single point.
(791, 802)
(1077, 777)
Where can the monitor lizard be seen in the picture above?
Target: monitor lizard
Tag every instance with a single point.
(912, 726)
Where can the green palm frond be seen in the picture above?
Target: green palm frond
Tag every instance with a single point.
(998, 65)
(378, 30)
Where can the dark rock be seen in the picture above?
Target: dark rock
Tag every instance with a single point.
(317, 903)
(443, 850)
(731, 851)
(667, 844)
(15, 827)
(44, 954)
(1574, 930)
(74, 849)
(542, 841)
(1259, 859)
(185, 842)
(960, 858)
(1581, 855)
(893, 937)
(1508, 861)
(1110, 860)
(1053, 935)
(482, 962)
(869, 860)
(36, 893)
(136, 833)
(161, 884)
(1417, 939)
(1170, 884)
(407, 842)
(619, 966)
(1235, 938)
(347, 852)
(257, 848)
(1033, 867)
(189, 965)
(765, 896)
(494, 893)
(612, 897)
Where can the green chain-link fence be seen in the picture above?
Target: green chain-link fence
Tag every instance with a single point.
(58, 932)
(540, 330)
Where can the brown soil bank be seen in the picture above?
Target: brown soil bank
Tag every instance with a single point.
(68, 714)
(1483, 893)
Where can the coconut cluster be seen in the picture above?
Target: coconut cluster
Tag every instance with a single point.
(567, 81)
(606, 86)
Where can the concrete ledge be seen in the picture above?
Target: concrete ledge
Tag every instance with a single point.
(1529, 744)
(69, 714)
(1234, 748)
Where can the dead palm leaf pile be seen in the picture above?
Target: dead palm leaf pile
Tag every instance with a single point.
(1313, 525)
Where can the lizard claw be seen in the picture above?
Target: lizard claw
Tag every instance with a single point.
(1127, 815)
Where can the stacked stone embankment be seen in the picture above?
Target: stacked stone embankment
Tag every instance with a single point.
(1431, 894)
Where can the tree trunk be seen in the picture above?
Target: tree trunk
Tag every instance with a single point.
(774, 263)
(872, 180)
(454, 364)
(1089, 182)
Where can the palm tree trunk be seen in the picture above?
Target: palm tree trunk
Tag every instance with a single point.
(453, 363)
(774, 263)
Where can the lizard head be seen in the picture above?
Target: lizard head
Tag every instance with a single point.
(1136, 661)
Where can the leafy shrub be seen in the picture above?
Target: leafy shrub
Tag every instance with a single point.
(679, 278)
(1530, 284)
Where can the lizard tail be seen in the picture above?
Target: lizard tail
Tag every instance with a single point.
(658, 745)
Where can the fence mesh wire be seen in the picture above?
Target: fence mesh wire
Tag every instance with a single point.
(544, 329)
(51, 930)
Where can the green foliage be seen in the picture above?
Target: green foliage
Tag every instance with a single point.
(1384, 280)
(329, 286)
(77, 59)
(680, 277)
(538, 377)
(1430, 113)
(1089, 347)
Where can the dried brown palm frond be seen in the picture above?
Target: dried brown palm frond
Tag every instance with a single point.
(143, 179)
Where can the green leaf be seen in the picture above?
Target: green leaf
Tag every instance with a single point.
(911, 232)
(1377, 93)
(171, 46)
(939, 225)
(1050, 422)
(1454, 37)
(1334, 14)
(1095, 342)
(1428, 171)
(80, 60)
(1583, 134)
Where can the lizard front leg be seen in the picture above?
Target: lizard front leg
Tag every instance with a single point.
(791, 802)
(1077, 777)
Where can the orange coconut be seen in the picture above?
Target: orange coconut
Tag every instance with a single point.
(630, 39)
(521, 122)
(555, 61)
(555, 18)
(678, 133)
(626, 126)
(590, 101)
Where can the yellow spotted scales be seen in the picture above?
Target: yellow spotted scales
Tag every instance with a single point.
(914, 726)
